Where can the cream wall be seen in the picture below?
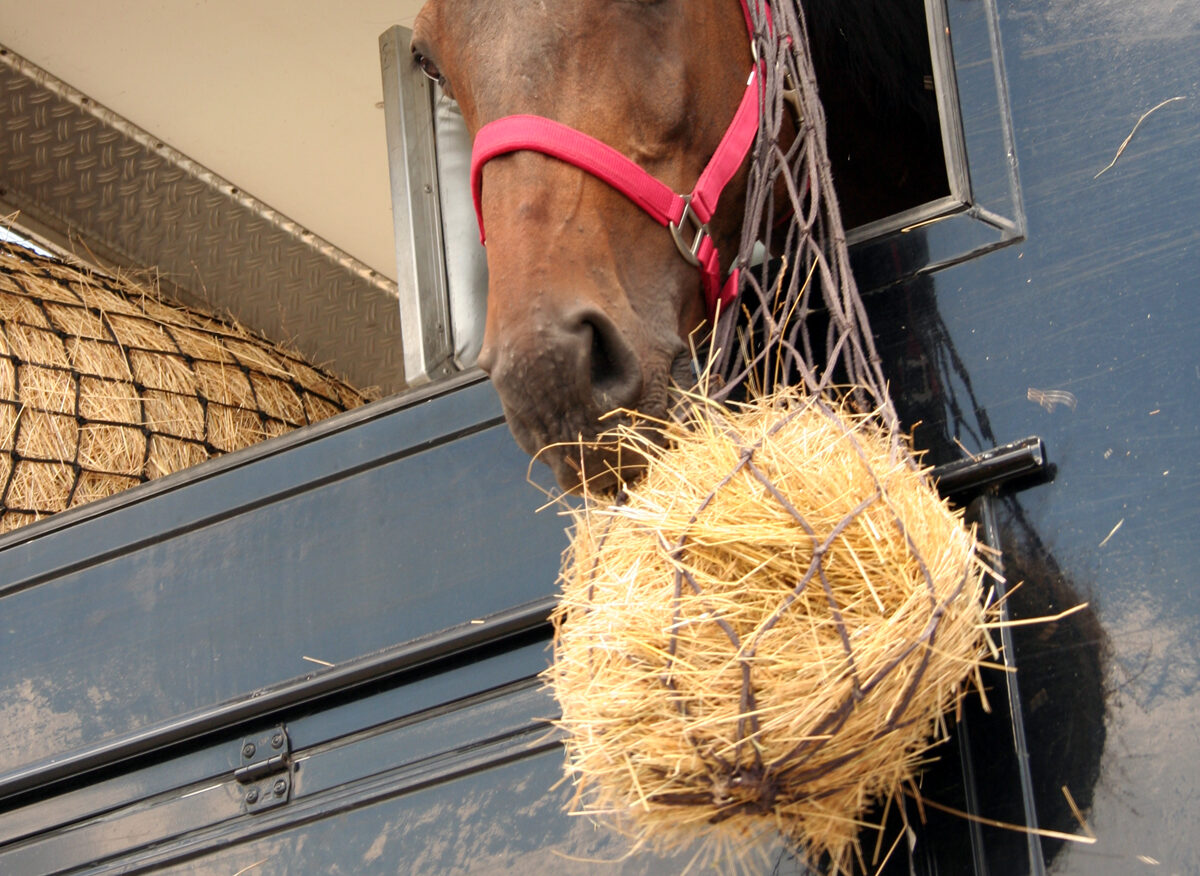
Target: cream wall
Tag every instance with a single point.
(280, 97)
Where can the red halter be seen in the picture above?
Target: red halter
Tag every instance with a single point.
(538, 134)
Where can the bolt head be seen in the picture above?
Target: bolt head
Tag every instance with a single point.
(277, 740)
(252, 796)
(248, 750)
(280, 787)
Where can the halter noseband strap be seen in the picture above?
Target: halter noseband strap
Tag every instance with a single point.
(519, 133)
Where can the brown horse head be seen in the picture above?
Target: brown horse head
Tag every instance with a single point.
(590, 305)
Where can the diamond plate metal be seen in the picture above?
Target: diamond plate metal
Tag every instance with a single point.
(85, 174)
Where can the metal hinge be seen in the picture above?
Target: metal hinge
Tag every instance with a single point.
(266, 770)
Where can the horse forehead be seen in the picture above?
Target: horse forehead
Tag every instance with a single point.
(488, 36)
(567, 57)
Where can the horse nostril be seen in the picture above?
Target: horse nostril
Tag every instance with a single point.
(615, 372)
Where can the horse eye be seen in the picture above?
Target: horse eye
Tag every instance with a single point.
(429, 68)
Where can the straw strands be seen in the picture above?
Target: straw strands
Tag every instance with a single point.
(765, 633)
(104, 386)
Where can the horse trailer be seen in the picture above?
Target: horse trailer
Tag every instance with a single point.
(322, 653)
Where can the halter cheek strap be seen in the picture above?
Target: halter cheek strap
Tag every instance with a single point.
(683, 215)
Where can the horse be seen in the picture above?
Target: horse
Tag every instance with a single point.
(595, 301)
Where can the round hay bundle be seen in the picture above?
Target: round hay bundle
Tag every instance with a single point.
(104, 386)
(765, 633)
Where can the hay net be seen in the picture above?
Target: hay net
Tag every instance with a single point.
(103, 386)
(766, 633)
(767, 336)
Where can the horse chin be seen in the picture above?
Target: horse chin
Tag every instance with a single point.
(618, 456)
(604, 457)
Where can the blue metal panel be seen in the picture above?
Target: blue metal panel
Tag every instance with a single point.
(1087, 334)
(215, 586)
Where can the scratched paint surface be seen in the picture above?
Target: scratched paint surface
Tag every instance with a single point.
(1087, 334)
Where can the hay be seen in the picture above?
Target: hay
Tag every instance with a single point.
(765, 633)
(103, 386)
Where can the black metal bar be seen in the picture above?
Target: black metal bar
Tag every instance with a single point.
(989, 534)
(453, 641)
(1019, 459)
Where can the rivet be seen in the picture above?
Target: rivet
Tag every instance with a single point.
(277, 740)
(248, 750)
(252, 796)
(280, 787)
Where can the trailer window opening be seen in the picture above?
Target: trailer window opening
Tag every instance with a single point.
(875, 71)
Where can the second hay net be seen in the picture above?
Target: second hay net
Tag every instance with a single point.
(104, 386)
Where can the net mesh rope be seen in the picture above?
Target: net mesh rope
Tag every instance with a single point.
(806, 324)
(792, 212)
(796, 181)
(767, 335)
(103, 387)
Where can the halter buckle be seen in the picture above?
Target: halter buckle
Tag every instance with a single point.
(689, 251)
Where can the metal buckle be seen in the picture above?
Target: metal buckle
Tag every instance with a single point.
(689, 251)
